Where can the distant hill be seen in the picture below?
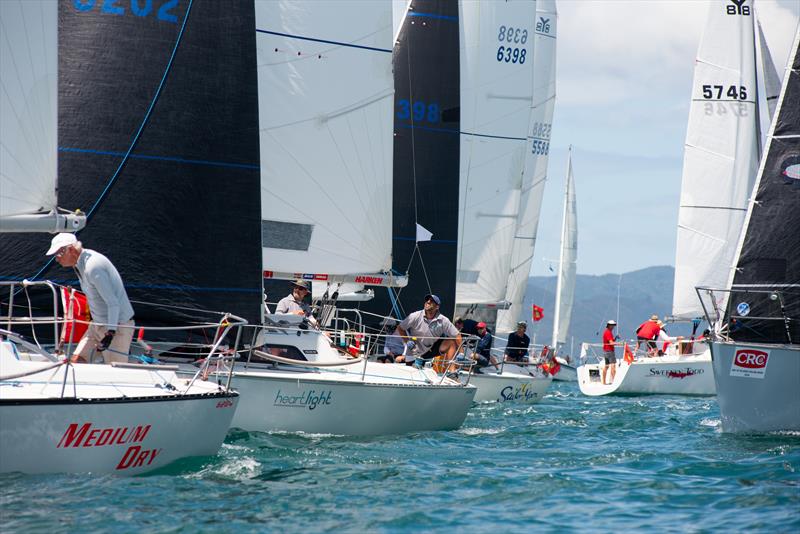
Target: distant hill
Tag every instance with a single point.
(641, 294)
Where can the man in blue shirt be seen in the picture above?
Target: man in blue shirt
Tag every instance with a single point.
(483, 350)
(518, 343)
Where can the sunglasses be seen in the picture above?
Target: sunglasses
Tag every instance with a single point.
(60, 252)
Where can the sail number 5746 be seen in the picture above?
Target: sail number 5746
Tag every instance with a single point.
(733, 92)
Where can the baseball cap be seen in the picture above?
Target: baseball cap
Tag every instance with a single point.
(612, 321)
(481, 325)
(654, 317)
(61, 240)
(434, 298)
(522, 323)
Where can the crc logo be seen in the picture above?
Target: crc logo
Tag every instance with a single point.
(543, 26)
(738, 8)
(751, 359)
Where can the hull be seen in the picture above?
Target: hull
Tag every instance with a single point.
(758, 386)
(509, 387)
(566, 373)
(669, 375)
(122, 436)
(316, 405)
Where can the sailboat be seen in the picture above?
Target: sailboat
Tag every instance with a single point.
(496, 96)
(567, 271)
(58, 417)
(326, 130)
(720, 161)
(756, 342)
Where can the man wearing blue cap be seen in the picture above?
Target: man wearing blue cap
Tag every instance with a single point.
(434, 332)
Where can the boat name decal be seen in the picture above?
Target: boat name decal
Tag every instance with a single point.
(310, 399)
(750, 363)
(522, 392)
(83, 435)
(227, 403)
(676, 373)
(117, 7)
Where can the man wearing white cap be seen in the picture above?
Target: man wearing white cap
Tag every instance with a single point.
(608, 351)
(111, 330)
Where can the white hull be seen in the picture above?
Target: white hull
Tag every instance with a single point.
(758, 386)
(566, 373)
(510, 386)
(667, 375)
(109, 420)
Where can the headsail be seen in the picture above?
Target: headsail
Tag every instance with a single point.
(721, 154)
(567, 270)
(325, 120)
(29, 119)
(497, 58)
(768, 258)
(536, 158)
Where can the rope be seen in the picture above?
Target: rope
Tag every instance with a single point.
(29, 373)
(136, 137)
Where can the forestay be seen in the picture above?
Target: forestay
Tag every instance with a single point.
(29, 117)
(536, 157)
(568, 263)
(325, 120)
(721, 154)
(496, 72)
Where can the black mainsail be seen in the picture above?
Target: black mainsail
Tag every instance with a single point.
(179, 215)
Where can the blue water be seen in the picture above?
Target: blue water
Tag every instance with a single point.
(569, 463)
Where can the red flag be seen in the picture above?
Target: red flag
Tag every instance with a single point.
(628, 355)
(76, 308)
(538, 313)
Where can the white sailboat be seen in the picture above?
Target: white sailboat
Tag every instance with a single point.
(536, 159)
(721, 157)
(496, 95)
(55, 416)
(325, 114)
(567, 272)
(756, 344)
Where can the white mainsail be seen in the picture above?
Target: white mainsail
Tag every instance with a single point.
(326, 130)
(29, 118)
(568, 262)
(721, 155)
(497, 52)
(536, 158)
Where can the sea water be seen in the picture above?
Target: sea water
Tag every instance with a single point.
(569, 463)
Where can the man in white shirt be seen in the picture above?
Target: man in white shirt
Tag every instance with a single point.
(434, 332)
(111, 329)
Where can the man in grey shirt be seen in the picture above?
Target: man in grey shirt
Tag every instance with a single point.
(111, 330)
(293, 302)
(434, 332)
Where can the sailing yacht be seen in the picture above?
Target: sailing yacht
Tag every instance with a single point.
(567, 271)
(756, 342)
(125, 419)
(496, 95)
(326, 95)
(720, 162)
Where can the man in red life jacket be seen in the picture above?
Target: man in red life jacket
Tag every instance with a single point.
(608, 352)
(647, 333)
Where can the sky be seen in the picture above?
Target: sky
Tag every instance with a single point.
(624, 80)
(624, 75)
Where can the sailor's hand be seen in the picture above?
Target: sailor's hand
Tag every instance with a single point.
(106, 341)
